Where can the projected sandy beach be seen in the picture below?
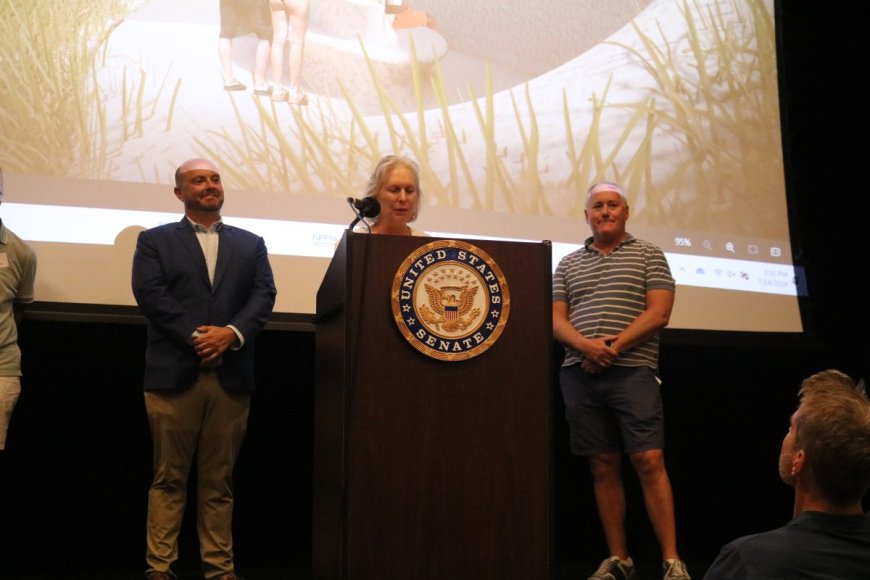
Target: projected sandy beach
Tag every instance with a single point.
(680, 107)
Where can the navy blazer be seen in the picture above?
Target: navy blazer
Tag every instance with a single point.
(171, 286)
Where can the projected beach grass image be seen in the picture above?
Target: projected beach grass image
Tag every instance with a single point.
(512, 109)
(677, 100)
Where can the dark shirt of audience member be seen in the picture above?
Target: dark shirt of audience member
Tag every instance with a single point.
(825, 457)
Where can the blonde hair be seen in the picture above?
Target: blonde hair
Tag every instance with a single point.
(832, 426)
(383, 168)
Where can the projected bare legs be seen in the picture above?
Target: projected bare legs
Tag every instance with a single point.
(261, 65)
(289, 24)
(225, 53)
(240, 19)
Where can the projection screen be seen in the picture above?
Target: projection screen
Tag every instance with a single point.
(512, 109)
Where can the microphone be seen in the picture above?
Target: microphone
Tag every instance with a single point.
(367, 207)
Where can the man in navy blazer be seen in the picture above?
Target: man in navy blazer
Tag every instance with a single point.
(207, 290)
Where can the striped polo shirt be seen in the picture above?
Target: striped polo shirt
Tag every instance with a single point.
(606, 293)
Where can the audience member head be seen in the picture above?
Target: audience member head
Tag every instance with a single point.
(828, 443)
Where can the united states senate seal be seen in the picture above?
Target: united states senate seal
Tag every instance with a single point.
(450, 300)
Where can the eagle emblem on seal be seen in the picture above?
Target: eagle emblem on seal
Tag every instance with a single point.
(450, 300)
(450, 307)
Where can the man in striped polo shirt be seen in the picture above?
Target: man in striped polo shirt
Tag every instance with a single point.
(610, 299)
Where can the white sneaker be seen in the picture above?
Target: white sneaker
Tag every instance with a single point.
(615, 569)
(675, 570)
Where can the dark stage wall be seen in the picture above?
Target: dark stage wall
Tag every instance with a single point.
(78, 458)
(73, 480)
(77, 467)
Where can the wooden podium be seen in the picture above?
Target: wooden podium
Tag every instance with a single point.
(427, 468)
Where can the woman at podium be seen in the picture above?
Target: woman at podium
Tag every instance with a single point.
(395, 184)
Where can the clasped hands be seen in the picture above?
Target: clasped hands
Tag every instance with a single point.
(599, 354)
(210, 343)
